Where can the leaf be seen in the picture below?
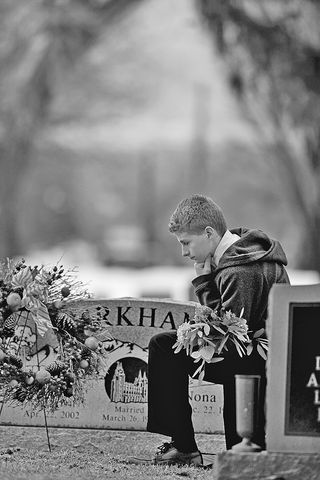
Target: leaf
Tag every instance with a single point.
(216, 359)
(42, 319)
(209, 342)
(238, 347)
(264, 345)
(238, 344)
(222, 343)
(197, 360)
(198, 369)
(193, 335)
(241, 337)
(103, 336)
(258, 333)
(219, 329)
(249, 349)
(206, 329)
(201, 376)
(207, 352)
(196, 354)
(22, 278)
(261, 352)
(241, 313)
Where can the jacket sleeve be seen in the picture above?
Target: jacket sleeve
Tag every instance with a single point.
(207, 291)
(234, 289)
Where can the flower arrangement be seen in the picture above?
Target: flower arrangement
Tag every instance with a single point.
(34, 303)
(208, 334)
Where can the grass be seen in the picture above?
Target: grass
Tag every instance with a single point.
(90, 454)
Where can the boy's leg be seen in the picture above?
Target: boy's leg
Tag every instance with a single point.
(169, 410)
(229, 413)
(224, 373)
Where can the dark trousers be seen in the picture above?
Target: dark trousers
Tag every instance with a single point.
(169, 410)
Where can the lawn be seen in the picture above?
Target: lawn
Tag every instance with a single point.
(90, 454)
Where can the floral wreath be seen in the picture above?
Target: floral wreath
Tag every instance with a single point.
(208, 335)
(37, 298)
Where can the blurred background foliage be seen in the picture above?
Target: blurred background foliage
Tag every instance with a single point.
(271, 51)
(111, 111)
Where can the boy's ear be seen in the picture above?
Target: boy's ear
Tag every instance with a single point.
(209, 231)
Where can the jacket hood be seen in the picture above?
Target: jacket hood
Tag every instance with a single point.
(252, 246)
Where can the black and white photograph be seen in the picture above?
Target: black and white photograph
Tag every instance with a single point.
(159, 239)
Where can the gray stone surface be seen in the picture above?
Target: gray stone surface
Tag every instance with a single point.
(131, 322)
(267, 466)
(293, 370)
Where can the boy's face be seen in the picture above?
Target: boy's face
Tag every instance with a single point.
(198, 247)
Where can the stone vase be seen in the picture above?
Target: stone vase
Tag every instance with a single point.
(247, 397)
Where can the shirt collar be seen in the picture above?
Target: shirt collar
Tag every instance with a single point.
(226, 241)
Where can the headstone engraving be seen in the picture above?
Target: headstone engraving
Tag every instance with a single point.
(118, 400)
(293, 388)
(303, 387)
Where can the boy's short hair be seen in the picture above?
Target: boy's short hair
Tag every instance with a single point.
(195, 213)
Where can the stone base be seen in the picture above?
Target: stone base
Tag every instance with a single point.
(267, 466)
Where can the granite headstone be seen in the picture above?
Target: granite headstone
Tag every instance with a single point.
(118, 400)
(293, 391)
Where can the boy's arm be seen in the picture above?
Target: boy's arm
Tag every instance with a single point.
(235, 289)
(207, 291)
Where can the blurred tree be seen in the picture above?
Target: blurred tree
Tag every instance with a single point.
(40, 41)
(198, 174)
(272, 53)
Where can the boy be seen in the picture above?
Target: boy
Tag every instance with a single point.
(235, 270)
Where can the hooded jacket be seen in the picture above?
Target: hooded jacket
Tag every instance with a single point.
(244, 276)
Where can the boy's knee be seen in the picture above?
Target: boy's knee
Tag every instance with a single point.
(162, 340)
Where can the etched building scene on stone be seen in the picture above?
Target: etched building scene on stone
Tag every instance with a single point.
(125, 391)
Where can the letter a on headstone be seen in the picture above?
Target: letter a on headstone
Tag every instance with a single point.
(313, 381)
(168, 319)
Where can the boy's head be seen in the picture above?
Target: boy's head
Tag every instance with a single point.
(199, 224)
(195, 213)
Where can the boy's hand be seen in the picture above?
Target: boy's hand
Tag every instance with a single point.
(203, 268)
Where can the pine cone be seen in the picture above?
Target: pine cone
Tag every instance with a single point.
(11, 321)
(64, 321)
(55, 367)
(8, 332)
(20, 394)
(86, 316)
(85, 352)
(15, 360)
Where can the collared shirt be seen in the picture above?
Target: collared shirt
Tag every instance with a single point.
(226, 241)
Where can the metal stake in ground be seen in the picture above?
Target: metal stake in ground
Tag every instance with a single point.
(43, 405)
